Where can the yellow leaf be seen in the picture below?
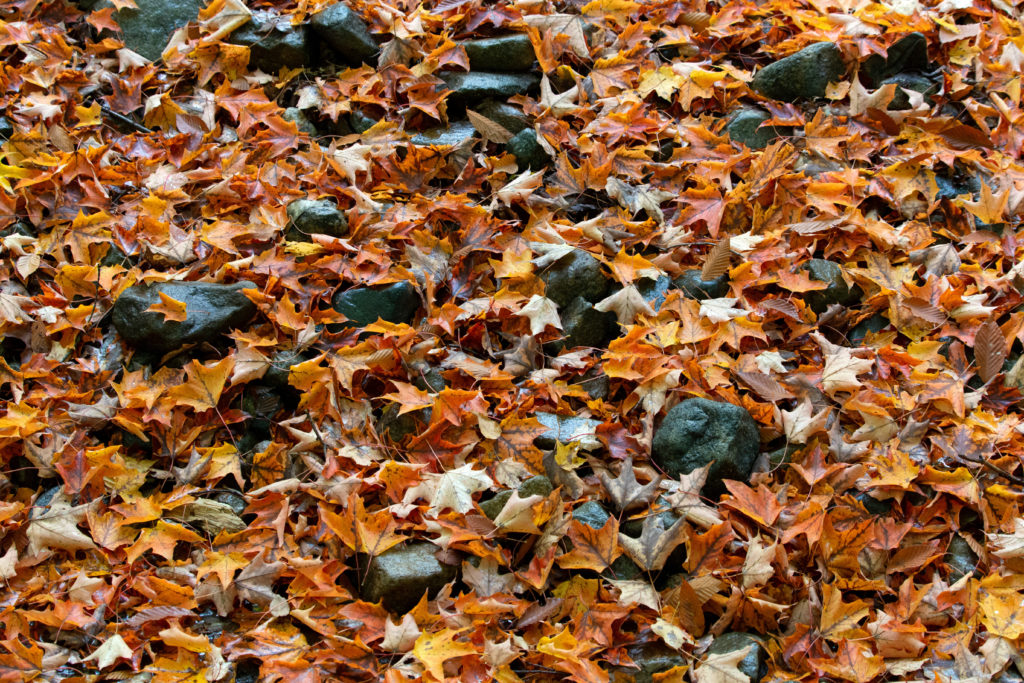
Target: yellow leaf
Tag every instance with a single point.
(205, 383)
(170, 308)
(434, 649)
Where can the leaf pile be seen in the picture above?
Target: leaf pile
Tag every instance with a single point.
(143, 531)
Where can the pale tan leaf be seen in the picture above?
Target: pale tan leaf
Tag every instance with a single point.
(757, 567)
(626, 303)
(722, 668)
(766, 386)
(400, 637)
(541, 312)
(112, 649)
(490, 130)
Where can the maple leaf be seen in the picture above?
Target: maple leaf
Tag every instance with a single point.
(722, 667)
(841, 366)
(721, 310)
(486, 580)
(800, 425)
(757, 566)
(625, 303)
(838, 617)
(112, 649)
(541, 312)
(255, 583)
(434, 649)
(989, 208)
(655, 544)
(593, 549)
(205, 384)
(1010, 545)
(451, 490)
(624, 489)
(400, 637)
(56, 526)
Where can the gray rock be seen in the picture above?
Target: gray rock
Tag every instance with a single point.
(907, 81)
(874, 324)
(566, 429)
(212, 309)
(534, 486)
(696, 288)
(634, 527)
(802, 75)
(317, 217)
(345, 32)
(395, 303)
(909, 53)
(592, 514)
(837, 292)
(753, 664)
(697, 432)
(400, 576)
(298, 117)
(575, 274)
(504, 53)
(872, 504)
(813, 164)
(479, 85)
(147, 29)
(654, 291)
(508, 117)
(584, 325)
(596, 383)
(744, 126)
(361, 122)
(652, 658)
(961, 559)
(280, 366)
(453, 135)
(527, 150)
(6, 128)
(275, 43)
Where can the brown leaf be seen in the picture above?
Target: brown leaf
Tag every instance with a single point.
(989, 350)
(655, 544)
(766, 386)
(625, 490)
(491, 130)
(716, 263)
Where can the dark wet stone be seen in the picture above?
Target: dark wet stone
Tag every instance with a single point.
(480, 85)
(18, 228)
(345, 32)
(395, 303)
(654, 291)
(398, 425)
(872, 504)
(147, 29)
(803, 75)
(813, 164)
(696, 288)
(6, 128)
(592, 514)
(274, 44)
(961, 559)
(298, 117)
(584, 325)
(212, 309)
(744, 126)
(504, 53)
(452, 135)
(909, 53)
(634, 527)
(753, 665)
(596, 383)
(837, 292)
(508, 117)
(233, 500)
(317, 216)
(534, 486)
(400, 576)
(361, 122)
(874, 324)
(575, 274)
(915, 82)
(697, 432)
(280, 366)
(565, 429)
(527, 151)
(652, 658)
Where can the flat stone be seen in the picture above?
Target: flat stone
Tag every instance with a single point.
(696, 288)
(395, 303)
(584, 325)
(6, 128)
(345, 32)
(909, 53)
(745, 126)
(527, 151)
(504, 53)
(592, 514)
(907, 81)
(317, 216)
(274, 43)
(147, 29)
(566, 429)
(652, 658)
(575, 274)
(654, 291)
(752, 665)
(456, 133)
(298, 117)
(508, 117)
(400, 576)
(803, 75)
(837, 292)
(211, 309)
(534, 486)
(960, 558)
(480, 85)
(698, 432)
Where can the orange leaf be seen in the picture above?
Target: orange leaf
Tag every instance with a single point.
(171, 308)
(592, 548)
(205, 383)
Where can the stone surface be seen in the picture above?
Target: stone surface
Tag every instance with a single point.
(744, 126)
(802, 75)
(813, 164)
(6, 128)
(566, 429)
(908, 81)
(508, 117)
(504, 53)
(697, 432)
(860, 331)
(534, 486)
(696, 288)
(909, 53)
(592, 514)
(454, 134)
(584, 325)
(527, 151)
(317, 216)
(837, 292)
(212, 309)
(400, 576)
(652, 658)
(345, 32)
(961, 558)
(395, 303)
(654, 291)
(147, 29)
(280, 365)
(480, 85)
(753, 664)
(274, 43)
(361, 122)
(575, 274)
(298, 117)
